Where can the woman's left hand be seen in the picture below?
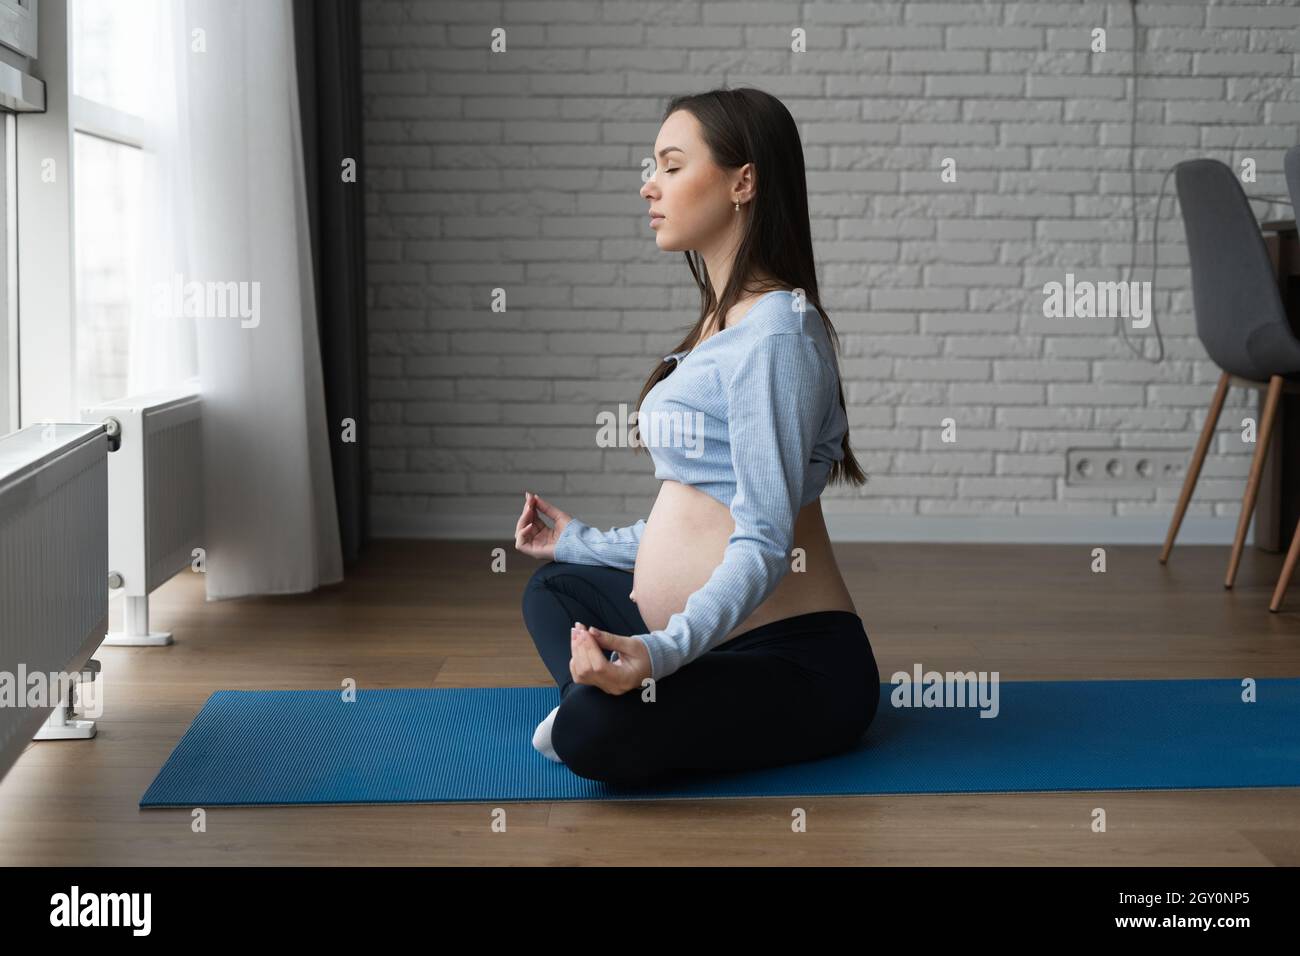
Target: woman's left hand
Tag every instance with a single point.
(588, 665)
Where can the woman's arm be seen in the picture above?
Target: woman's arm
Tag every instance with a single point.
(580, 543)
(776, 403)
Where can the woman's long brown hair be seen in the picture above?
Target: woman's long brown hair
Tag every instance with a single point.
(749, 126)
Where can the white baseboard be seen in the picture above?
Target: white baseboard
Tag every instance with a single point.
(939, 529)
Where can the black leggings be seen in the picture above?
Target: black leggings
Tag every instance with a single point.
(797, 689)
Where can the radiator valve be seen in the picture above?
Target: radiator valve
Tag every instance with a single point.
(114, 429)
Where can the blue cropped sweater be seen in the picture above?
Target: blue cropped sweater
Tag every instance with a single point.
(750, 416)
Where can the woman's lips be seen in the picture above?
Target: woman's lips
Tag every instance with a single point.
(655, 220)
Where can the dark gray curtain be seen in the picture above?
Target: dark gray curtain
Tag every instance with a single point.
(327, 38)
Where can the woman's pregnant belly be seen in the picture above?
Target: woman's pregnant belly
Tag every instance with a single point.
(684, 540)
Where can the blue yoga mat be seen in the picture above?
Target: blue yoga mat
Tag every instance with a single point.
(289, 747)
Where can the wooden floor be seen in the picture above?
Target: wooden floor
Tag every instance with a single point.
(434, 614)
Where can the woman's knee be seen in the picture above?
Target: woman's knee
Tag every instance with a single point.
(541, 576)
(580, 733)
(587, 736)
(539, 583)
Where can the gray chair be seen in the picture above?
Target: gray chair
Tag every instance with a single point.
(1240, 320)
(1292, 166)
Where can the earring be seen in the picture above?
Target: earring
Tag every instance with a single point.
(737, 207)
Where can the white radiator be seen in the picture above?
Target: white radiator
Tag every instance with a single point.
(53, 564)
(155, 498)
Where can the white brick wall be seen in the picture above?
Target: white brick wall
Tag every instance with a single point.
(521, 170)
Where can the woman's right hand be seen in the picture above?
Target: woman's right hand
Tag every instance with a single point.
(532, 536)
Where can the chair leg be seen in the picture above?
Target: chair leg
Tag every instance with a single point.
(1284, 579)
(1256, 472)
(1198, 459)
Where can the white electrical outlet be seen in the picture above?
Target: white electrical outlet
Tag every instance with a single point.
(1115, 467)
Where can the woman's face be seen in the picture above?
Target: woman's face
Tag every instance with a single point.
(692, 194)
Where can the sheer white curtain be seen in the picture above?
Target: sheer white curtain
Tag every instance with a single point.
(226, 217)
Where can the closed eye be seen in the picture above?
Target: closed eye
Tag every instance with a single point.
(673, 170)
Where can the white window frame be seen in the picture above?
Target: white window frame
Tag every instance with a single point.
(46, 307)
(20, 92)
(9, 371)
(47, 288)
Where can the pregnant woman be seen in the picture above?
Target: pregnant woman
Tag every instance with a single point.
(717, 634)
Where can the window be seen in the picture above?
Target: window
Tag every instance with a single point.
(107, 230)
(109, 43)
(109, 46)
(8, 281)
(18, 91)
